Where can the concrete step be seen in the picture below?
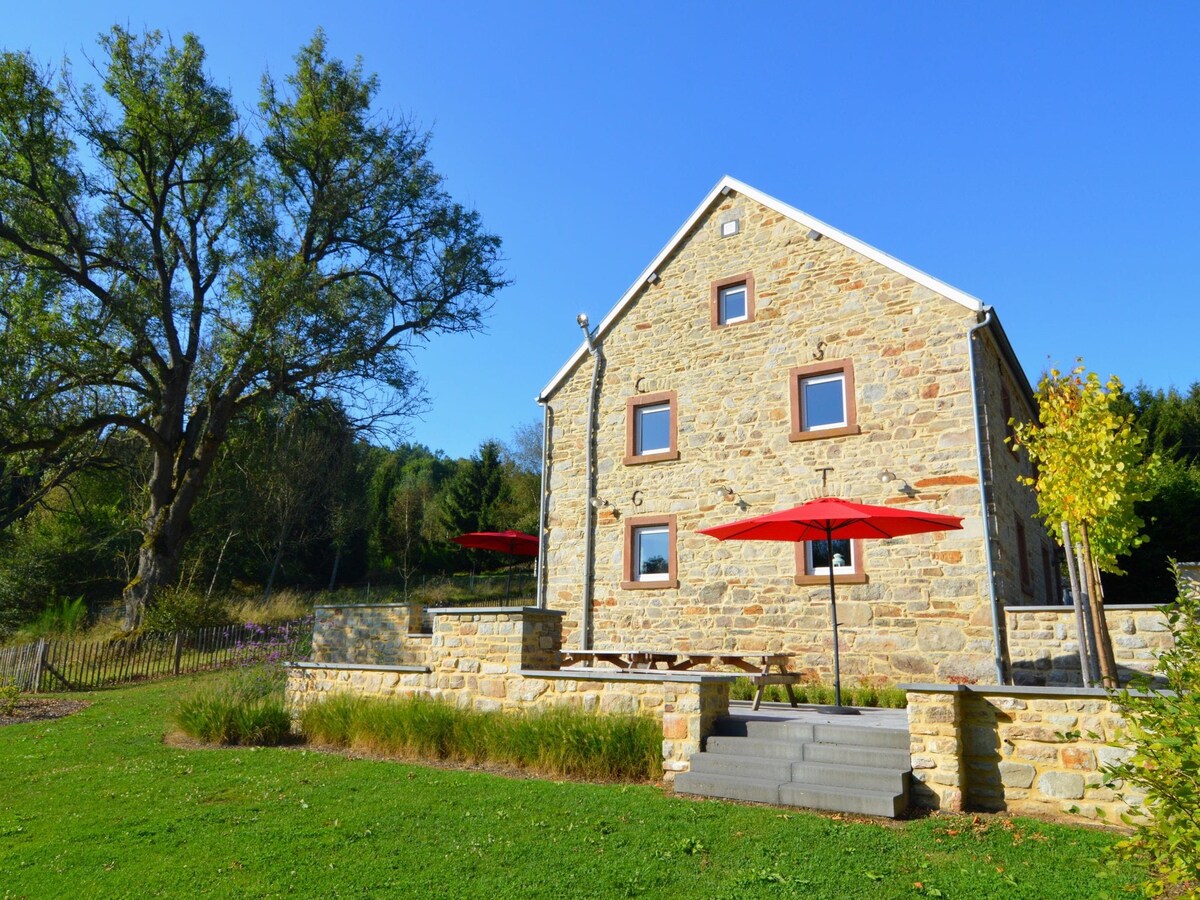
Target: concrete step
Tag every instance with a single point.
(852, 755)
(842, 799)
(748, 746)
(780, 770)
(834, 775)
(859, 736)
(740, 726)
(730, 787)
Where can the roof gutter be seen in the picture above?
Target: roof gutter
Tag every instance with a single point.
(997, 646)
(543, 500)
(589, 513)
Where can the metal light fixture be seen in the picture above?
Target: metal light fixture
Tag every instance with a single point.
(888, 476)
(725, 492)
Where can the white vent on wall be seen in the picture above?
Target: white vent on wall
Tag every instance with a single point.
(733, 226)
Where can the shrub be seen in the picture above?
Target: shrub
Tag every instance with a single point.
(1162, 725)
(560, 742)
(9, 694)
(246, 707)
(60, 617)
(181, 609)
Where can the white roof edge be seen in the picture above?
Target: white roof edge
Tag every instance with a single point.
(974, 304)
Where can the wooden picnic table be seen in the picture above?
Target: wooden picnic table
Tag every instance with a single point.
(762, 668)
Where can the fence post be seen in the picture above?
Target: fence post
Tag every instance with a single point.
(178, 649)
(35, 681)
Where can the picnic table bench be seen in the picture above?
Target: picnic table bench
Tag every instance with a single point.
(761, 668)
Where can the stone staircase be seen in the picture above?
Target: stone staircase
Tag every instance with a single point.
(833, 766)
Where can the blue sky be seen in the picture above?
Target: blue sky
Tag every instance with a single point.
(1042, 157)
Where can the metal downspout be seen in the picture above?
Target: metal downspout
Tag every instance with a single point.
(544, 499)
(589, 513)
(983, 499)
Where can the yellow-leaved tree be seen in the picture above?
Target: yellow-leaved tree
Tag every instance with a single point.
(1090, 468)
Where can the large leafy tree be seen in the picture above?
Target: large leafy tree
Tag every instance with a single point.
(168, 263)
(1090, 471)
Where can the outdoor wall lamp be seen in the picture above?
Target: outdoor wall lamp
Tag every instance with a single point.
(888, 476)
(600, 504)
(725, 492)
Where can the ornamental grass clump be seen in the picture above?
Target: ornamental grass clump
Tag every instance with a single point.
(1162, 725)
(562, 741)
(246, 707)
(866, 694)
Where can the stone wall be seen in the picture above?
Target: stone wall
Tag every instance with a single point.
(923, 607)
(1043, 642)
(1024, 750)
(377, 634)
(507, 660)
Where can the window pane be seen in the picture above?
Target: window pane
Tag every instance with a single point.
(653, 429)
(733, 303)
(652, 546)
(823, 402)
(818, 556)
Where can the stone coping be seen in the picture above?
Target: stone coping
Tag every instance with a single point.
(358, 667)
(657, 676)
(1134, 607)
(1011, 690)
(493, 611)
(405, 603)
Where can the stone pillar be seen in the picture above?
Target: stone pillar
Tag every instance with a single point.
(935, 731)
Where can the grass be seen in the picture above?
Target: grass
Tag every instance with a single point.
(97, 805)
(866, 694)
(560, 742)
(245, 707)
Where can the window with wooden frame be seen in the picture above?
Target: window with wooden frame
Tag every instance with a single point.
(812, 562)
(649, 560)
(732, 300)
(651, 428)
(822, 398)
(1007, 412)
(1023, 559)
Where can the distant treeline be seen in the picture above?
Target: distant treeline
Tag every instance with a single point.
(297, 498)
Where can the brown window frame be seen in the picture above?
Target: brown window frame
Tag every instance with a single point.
(746, 278)
(1006, 410)
(803, 576)
(632, 458)
(1026, 577)
(844, 367)
(629, 581)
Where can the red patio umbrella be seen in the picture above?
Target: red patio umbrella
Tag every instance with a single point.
(829, 518)
(514, 543)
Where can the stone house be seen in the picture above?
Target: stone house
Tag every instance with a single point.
(762, 359)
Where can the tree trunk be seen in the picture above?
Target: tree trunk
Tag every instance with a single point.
(337, 559)
(1081, 628)
(158, 565)
(283, 534)
(1104, 651)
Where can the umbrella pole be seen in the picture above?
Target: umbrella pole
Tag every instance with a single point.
(837, 669)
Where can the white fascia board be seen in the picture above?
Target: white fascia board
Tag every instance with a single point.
(974, 304)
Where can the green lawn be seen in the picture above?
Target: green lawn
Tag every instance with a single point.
(96, 805)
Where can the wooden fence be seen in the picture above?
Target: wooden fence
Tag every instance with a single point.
(52, 664)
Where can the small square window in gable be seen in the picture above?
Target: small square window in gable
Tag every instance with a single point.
(822, 400)
(731, 300)
(651, 428)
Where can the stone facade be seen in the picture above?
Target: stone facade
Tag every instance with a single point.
(507, 660)
(921, 606)
(1043, 643)
(1024, 750)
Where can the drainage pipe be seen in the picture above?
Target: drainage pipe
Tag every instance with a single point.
(543, 501)
(589, 513)
(983, 499)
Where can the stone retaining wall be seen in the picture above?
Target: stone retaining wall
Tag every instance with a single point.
(507, 660)
(1043, 644)
(1024, 750)
(375, 634)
